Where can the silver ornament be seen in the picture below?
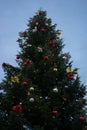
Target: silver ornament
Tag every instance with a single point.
(55, 90)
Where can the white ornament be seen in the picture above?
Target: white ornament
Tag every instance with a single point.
(31, 88)
(64, 57)
(66, 86)
(35, 29)
(55, 90)
(37, 23)
(40, 49)
(31, 99)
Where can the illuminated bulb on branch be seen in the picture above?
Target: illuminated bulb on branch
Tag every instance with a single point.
(31, 88)
(55, 69)
(31, 99)
(24, 47)
(55, 89)
(64, 57)
(35, 29)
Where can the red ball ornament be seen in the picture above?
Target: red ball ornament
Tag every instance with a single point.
(54, 112)
(26, 62)
(24, 83)
(42, 30)
(17, 57)
(81, 118)
(51, 43)
(70, 76)
(17, 108)
(35, 22)
(46, 57)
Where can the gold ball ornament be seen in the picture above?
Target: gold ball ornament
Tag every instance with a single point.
(68, 70)
(24, 47)
(15, 79)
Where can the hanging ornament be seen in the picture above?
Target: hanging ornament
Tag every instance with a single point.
(24, 47)
(17, 108)
(81, 118)
(58, 34)
(28, 93)
(66, 86)
(51, 43)
(26, 62)
(31, 99)
(46, 57)
(55, 90)
(68, 70)
(42, 30)
(20, 103)
(54, 112)
(46, 97)
(55, 69)
(71, 118)
(40, 49)
(35, 29)
(24, 83)
(83, 108)
(64, 99)
(64, 57)
(17, 57)
(15, 79)
(35, 22)
(41, 97)
(31, 89)
(70, 76)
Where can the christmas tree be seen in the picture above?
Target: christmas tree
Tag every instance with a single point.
(43, 92)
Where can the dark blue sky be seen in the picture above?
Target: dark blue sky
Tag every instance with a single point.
(69, 15)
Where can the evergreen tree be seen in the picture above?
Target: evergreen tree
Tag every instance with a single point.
(43, 92)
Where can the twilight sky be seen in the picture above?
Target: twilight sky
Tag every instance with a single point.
(69, 15)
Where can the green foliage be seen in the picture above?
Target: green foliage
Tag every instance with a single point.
(43, 91)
